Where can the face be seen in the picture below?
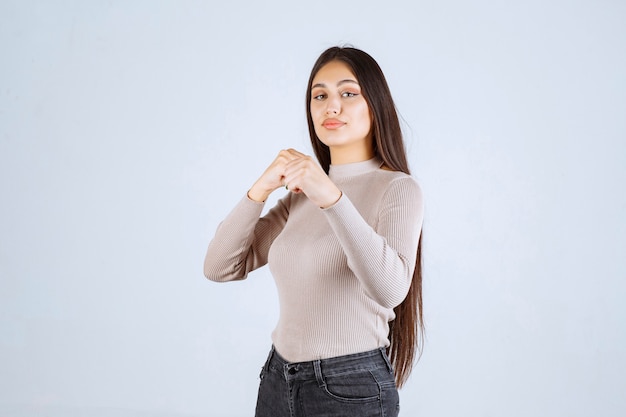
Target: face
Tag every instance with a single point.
(340, 113)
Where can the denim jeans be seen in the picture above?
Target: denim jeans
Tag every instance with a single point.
(354, 385)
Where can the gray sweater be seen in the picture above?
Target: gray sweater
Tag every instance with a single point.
(339, 271)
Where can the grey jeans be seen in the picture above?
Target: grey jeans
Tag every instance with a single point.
(360, 385)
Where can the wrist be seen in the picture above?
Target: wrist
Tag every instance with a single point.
(333, 201)
(257, 194)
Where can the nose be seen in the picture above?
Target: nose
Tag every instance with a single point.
(333, 107)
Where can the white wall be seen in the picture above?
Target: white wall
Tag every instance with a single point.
(128, 129)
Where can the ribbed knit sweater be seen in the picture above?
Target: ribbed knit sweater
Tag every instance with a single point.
(339, 271)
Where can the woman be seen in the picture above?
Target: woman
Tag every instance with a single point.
(343, 247)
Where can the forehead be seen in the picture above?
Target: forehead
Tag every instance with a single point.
(333, 72)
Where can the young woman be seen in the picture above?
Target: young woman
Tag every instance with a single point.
(344, 249)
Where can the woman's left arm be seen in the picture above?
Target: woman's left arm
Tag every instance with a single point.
(383, 259)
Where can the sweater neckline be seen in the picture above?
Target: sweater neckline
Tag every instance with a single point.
(355, 168)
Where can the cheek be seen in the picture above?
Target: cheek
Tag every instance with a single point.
(366, 117)
(317, 110)
(317, 130)
(316, 123)
(363, 110)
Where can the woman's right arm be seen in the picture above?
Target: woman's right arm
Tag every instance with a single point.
(242, 240)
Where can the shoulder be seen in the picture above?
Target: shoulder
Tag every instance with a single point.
(398, 189)
(397, 181)
(383, 188)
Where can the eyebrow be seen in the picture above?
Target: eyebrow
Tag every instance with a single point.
(322, 85)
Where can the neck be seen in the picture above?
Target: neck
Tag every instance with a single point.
(349, 154)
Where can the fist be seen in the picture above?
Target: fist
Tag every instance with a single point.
(299, 173)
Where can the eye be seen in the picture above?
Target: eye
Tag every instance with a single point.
(318, 97)
(349, 94)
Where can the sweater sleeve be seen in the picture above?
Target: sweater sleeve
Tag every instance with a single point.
(242, 240)
(383, 260)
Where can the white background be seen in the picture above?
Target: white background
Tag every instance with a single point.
(128, 129)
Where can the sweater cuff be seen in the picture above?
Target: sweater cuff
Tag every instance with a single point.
(341, 197)
(342, 210)
(262, 203)
(246, 208)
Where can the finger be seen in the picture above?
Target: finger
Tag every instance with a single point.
(289, 154)
(301, 161)
(295, 153)
(295, 179)
(293, 190)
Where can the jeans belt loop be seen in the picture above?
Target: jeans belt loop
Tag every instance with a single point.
(383, 353)
(317, 365)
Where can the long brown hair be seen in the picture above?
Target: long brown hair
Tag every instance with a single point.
(406, 331)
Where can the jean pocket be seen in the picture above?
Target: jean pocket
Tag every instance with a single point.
(358, 386)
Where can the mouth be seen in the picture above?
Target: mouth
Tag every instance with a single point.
(333, 124)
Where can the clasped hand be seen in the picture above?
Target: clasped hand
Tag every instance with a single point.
(300, 173)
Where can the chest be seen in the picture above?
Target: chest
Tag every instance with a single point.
(308, 245)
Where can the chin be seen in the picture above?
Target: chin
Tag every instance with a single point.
(335, 140)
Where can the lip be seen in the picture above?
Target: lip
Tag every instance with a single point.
(333, 124)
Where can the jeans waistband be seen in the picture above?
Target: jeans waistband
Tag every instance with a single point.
(369, 360)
